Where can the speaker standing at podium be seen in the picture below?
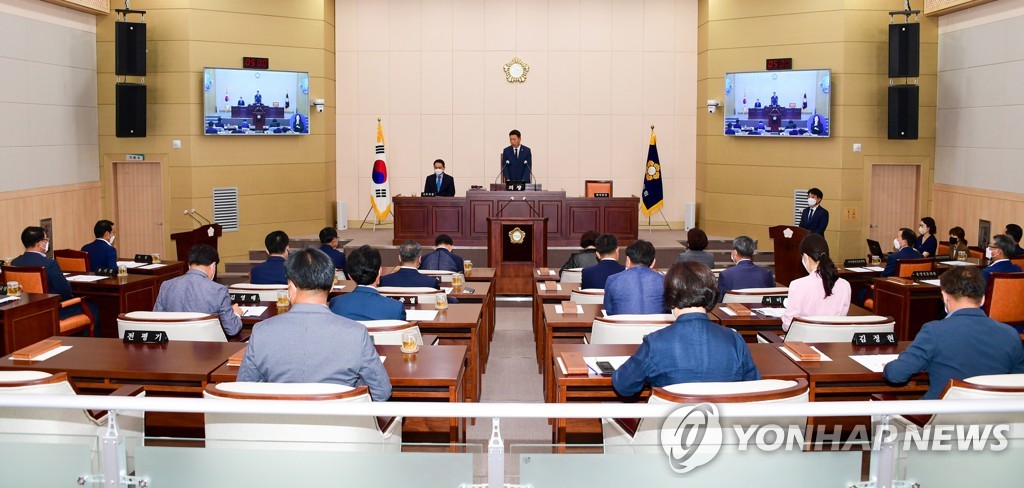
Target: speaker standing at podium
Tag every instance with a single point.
(516, 159)
(439, 184)
(814, 218)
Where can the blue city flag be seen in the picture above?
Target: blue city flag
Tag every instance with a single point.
(654, 195)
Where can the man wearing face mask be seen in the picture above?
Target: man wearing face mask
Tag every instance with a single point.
(101, 251)
(998, 254)
(901, 243)
(37, 243)
(329, 245)
(195, 291)
(814, 218)
(964, 344)
(439, 183)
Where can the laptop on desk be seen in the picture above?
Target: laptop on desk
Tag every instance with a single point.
(875, 249)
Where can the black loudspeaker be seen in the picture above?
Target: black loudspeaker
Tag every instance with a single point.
(130, 49)
(131, 110)
(904, 50)
(903, 101)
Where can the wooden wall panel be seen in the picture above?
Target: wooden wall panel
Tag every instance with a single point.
(73, 208)
(961, 206)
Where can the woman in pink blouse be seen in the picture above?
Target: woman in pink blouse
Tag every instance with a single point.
(822, 292)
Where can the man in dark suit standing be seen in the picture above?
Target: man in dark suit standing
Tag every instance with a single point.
(329, 245)
(365, 302)
(595, 277)
(101, 251)
(814, 218)
(271, 271)
(745, 274)
(516, 159)
(37, 243)
(408, 275)
(902, 243)
(439, 184)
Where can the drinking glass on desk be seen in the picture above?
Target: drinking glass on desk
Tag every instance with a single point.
(409, 344)
(876, 260)
(156, 258)
(457, 280)
(468, 266)
(442, 301)
(122, 271)
(282, 298)
(13, 288)
(961, 256)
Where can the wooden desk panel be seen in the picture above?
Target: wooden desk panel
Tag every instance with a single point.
(30, 319)
(910, 305)
(750, 326)
(173, 269)
(114, 296)
(461, 324)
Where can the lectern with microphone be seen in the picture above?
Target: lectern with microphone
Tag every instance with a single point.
(207, 233)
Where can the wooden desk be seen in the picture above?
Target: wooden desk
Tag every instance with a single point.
(30, 319)
(460, 324)
(750, 326)
(173, 269)
(560, 327)
(114, 296)
(910, 305)
(480, 274)
(551, 275)
(272, 310)
(845, 379)
(551, 294)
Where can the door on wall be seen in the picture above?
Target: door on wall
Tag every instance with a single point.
(894, 199)
(139, 200)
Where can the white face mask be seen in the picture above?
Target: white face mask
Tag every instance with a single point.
(922, 230)
(896, 243)
(438, 172)
(46, 247)
(112, 240)
(988, 253)
(811, 202)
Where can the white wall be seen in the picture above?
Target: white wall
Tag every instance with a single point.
(601, 73)
(49, 123)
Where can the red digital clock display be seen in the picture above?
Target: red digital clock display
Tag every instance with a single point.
(255, 63)
(778, 63)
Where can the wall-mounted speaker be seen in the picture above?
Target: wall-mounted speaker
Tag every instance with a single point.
(131, 110)
(904, 50)
(903, 100)
(130, 49)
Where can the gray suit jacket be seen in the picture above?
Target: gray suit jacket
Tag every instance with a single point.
(310, 344)
(194, 292)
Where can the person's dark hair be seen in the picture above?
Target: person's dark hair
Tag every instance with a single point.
(690, 284)
(328, 234)
(32, 235)
(816, 247)
(1005, 244)
(588, 238)
(1014, 231)
(641, 252)
(439, 161)
(908, 235)
(203, 255)
(409, 251)
(958, 232)
(276, 242)
(363, 265)
(515, 132)
(443, 239)
(310, 269)
(963, 282)
(696, 239)
(744, 246)
(606, 244)
(816, 192)
(930, 224)
(102, 227)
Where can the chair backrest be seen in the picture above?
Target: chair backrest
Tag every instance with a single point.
(572, 275)
(179, 326)
(987, 387)
(837, 329)
(753, 295)
(42, 420)
(411, 295)
(239, 430)
(587, 295)
(1003, 298)
(616, 329)
(943, 249)
(905, 267)
(31, 278)
(268, 293)
(71, 260)
(977, 252)
(593, 187)
(1018, 260)
(390, 332)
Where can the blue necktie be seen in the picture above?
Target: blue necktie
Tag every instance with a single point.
(439, 184)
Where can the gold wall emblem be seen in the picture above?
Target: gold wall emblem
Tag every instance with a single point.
(516, 70)
(517, 236)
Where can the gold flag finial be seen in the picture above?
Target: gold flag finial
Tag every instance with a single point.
(378, 120)
(652, 127)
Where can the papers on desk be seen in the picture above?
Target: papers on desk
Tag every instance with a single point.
(86, 278)
(931, 282)
(875, 268)
(253, 311)
(874, 362)
(558, 309)
(420, 315)
(550, 272)
(727, 311)
(858, 270)
(339, 287)
(153, 266)
(130, 264)
(46, 355)
(447, 290)
(958, 263)
(615, 361)
(545, 287)
(785, 350)
(770, 312)
(382, 358)
(9, 299)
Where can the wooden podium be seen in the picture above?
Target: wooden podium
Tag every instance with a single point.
(788, 265)
(206, 234)
(515, 247)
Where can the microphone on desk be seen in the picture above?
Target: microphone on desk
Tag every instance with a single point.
(502, 172)
(530, 168)
(193, 218)
(201, 216)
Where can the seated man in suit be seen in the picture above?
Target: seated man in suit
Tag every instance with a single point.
(594, 277)
(745, 274)
(999, 254)
(329, 245)
(903, 242)
(309, 344)
(195, 291)
(408, 275)
(271, 271)
(101, 251)
(814, 218)
(37, 243)
(586, 257)
(365, 302)
(439, 184)
(1014, 231)
(639, 289)
(442, 258)
(966, 343)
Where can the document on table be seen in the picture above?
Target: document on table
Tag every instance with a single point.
(339, 287)
(875, 268)
(931, 282)
(545, 287)
(130, 264)
(9, 299)
(859, 270)
(728, 311)
(382, 358)
(958, 263)
(874, 362)
(558, 309)
(253, 311)
(420, 315)
(86, 278)
(616, 362)
(46, 355)
(447, 290)
(792, 356)
(770, 312)
(153, 266)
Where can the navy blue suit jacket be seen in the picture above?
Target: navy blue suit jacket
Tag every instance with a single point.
(269, 272)
(55, 281)
(409, 278)
(964, 344)
(595, 276)
(516, 169)
(336, 256)
(101, 254)
(816, 223)
(366, 303)
(441, 259)
(892, 263)
(1004, 266)
(745, 274)
(447, 185)
(637, 290)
